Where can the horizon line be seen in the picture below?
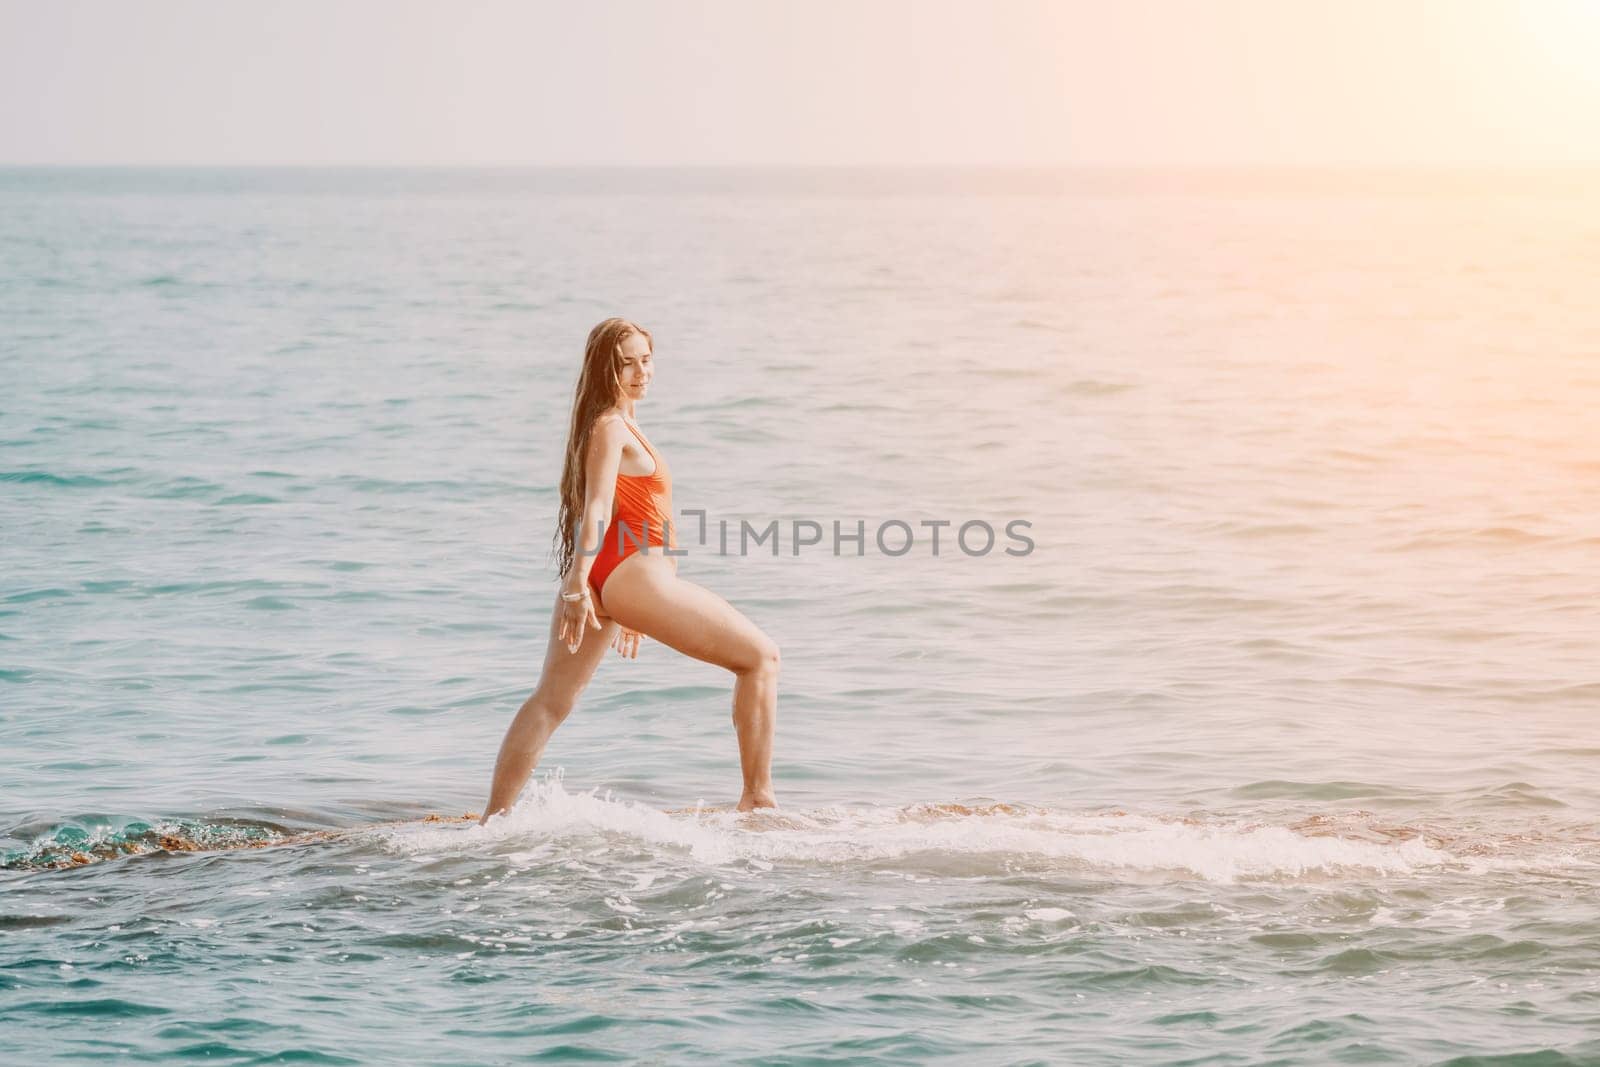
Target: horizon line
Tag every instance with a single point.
(1387, 165)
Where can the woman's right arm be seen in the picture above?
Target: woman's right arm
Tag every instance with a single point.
(600, 478)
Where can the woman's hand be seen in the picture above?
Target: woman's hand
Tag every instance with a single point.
(577, 616)
(626, 642)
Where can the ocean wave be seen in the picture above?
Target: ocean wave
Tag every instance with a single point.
(76, 844)
(985, 840)
(982, 840)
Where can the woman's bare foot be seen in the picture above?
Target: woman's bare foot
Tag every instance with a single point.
(759, 798)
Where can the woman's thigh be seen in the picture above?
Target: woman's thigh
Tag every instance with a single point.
(565, 672)
(644, 593)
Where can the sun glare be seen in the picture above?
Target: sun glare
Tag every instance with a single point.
(1567, 34)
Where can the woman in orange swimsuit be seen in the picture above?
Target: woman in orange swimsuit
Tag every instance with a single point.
(617, 580)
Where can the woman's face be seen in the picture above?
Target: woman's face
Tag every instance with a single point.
(637, 366)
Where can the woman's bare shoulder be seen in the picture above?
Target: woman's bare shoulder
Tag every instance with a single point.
(607, 429)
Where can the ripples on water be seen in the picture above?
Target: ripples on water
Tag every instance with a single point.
(1277, 748)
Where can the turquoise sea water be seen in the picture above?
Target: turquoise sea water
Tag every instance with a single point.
(1280, 747)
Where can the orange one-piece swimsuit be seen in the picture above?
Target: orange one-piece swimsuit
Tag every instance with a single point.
(641, 513)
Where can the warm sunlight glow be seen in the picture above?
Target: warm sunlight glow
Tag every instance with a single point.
(899, 83)
(1567, 33)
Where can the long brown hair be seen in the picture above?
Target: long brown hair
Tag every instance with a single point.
(599, 389)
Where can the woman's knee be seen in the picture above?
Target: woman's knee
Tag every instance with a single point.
(764, 659)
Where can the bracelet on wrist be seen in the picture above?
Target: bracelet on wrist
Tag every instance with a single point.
(573, 598)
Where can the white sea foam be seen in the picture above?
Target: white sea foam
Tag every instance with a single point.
(972, 840)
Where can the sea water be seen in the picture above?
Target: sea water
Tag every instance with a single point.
(1277, 743)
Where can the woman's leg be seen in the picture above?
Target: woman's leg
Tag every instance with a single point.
(562, 679)
(644, 593)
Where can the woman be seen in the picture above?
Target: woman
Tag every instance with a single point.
(617, 580)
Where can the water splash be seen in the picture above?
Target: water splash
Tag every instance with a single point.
(989, 839)
(959, 839)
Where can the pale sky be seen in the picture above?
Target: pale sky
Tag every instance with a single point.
(761, 82)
